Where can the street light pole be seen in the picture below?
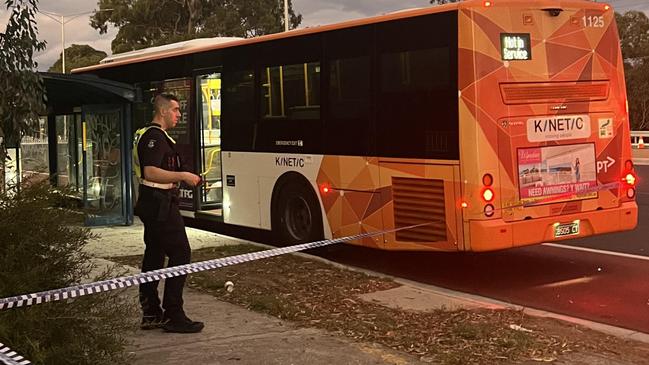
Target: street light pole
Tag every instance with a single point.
(286, 15)
(62, 44)
(61, 19)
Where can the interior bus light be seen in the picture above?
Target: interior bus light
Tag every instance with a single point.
(488, 194)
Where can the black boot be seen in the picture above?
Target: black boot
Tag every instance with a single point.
(182, 324)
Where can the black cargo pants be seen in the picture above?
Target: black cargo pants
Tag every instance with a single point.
(164, 236)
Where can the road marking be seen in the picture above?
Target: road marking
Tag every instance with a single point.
(555, 284)
(630, 256)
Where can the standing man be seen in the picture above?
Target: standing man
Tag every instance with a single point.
(159, 169)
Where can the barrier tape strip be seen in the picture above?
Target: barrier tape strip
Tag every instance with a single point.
(10, 357)
(149, 276)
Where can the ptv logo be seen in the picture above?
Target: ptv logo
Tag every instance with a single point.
(605, 164)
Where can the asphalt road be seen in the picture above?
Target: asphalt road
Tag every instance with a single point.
(632, 242)
(603, 278)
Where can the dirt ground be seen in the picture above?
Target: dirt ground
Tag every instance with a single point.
(311, 293)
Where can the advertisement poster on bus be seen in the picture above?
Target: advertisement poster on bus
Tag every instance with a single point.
(557, 173)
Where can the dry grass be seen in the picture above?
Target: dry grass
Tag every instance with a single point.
(311, 293)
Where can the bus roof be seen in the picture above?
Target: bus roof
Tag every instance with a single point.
(209, 44)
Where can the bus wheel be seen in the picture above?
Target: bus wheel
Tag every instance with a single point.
(297, 218)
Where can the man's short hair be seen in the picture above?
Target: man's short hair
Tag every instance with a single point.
(161, 101)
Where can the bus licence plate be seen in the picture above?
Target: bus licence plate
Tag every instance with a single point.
(566, 229)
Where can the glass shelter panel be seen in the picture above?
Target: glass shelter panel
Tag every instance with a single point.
(101, 134)
(34, 158)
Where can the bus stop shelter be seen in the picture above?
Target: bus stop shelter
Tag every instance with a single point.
(88, 143)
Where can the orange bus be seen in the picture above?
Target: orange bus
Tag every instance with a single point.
(494, 124)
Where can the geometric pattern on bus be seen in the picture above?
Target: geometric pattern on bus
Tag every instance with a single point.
(567, 52)
(360, 199)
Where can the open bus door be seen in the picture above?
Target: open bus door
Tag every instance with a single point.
(211, 190)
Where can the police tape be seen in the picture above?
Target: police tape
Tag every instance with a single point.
(169, 272)
(10, 357)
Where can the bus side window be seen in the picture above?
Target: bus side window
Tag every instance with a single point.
(237, 110)
(291, 91)
(417, 99)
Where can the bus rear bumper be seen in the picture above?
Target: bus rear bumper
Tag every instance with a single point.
(497, 234)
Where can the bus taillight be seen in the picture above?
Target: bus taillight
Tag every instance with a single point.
(325, 188)
(488, 194)
(629, 178)
(487, 3)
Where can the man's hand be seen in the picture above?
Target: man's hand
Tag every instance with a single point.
(191, 179)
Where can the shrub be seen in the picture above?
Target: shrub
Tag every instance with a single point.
(41, 248)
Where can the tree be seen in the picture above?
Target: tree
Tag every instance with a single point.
(146, 23)
(21, 88)
(633, 27)
(78, 56)
(637, 84)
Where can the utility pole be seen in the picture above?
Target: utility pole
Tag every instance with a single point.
(286, 15)
(61, 19)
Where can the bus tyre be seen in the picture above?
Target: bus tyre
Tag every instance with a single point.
(297, 217)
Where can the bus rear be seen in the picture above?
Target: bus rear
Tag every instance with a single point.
(545, 149)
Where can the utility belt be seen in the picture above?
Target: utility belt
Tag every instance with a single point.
(155, 185)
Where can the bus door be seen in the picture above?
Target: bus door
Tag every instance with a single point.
(209, 103)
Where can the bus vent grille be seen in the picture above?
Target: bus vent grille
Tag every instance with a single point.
(419, 201)
(554, 92)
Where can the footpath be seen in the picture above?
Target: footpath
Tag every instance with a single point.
(235, 335)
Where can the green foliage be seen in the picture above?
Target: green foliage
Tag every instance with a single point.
(21, 89)
(633, 27)
(637, 84)
(147, 23)
(42, 249)
(78, 56)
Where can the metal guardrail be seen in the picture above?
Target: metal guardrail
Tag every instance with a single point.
(637, 137)
(640, 151)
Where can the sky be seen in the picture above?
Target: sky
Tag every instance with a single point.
(314, 12)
